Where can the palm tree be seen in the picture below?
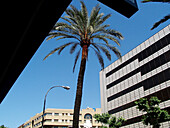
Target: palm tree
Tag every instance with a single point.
(86, 31)
(163, 19)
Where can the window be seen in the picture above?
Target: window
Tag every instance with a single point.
(88, 116)
(55, 120)
(49, 114)
(48, 120)
(56, 114)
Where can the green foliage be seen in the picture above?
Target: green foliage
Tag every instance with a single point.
(105, 118)
(142, 104)
(103, 127)
(154, 115)
(2, 126)
(116, 123)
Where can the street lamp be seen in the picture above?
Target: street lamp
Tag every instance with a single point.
(65, 87)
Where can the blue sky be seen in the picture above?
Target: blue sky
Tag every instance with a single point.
(25, 98)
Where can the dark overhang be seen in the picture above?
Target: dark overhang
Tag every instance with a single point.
(26, 23)
(124, 7)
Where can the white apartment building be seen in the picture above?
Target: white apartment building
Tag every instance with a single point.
(63, 118)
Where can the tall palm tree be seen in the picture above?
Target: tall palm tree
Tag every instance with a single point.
(86, 30)
(167, 17)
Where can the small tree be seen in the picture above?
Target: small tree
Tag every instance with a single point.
(2, 126)
(109, 120)
(154, 115)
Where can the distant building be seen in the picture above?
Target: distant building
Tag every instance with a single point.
(143, 72)
(63, 118)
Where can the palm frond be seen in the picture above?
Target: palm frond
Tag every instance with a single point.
(161, 21)
(73, 25)
(94, 45)
(70, 12)
(103, 19)
(71, 19)
(75, 11)
(61, 38)
(51, 37)
(76, 24)
(67, 28)
(112, 38)
(115, 50)
(104, 36)
(60, 26)
(84, 13)
(68, 20)
(77, 17)
(94, 14)
(100, 58)
(99, 29)
(56, 49)
(76, 58)
(57, 34)
(60, 48)
(114, 33)
(100, 37)
(73, 47)
(106, 52)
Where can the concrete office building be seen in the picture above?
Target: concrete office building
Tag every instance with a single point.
(63, 118)
(143, 72)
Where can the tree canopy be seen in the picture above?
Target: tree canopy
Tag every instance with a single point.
(109, 120)
(154, 115)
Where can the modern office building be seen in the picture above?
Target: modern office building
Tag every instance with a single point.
(142, 72)
(63, 118)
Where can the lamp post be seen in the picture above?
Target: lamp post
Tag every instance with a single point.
(65, 87)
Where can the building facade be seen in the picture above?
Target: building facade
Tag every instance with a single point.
(142, 72)
(63, 118)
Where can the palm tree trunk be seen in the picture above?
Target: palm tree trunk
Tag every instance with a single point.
(79, 93)
(77, 103)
